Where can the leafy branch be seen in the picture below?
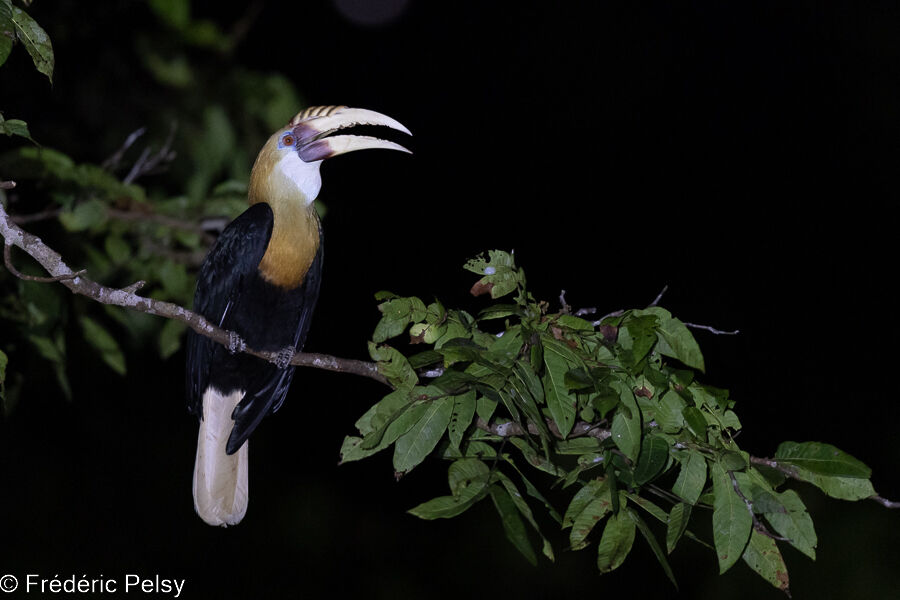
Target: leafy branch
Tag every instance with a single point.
(604, 411)
(609, 413)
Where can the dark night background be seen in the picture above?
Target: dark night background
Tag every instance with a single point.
(744, 154)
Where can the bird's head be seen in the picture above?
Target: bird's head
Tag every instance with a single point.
(288, 165)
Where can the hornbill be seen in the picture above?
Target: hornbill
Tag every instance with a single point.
(261, 281)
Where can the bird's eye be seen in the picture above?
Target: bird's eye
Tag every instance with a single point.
(288, 140)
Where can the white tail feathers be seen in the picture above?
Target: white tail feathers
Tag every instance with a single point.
(221, 490)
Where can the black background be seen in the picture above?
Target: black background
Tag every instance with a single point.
(742, 154)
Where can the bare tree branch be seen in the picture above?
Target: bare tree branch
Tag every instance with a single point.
(149, 162)
(59, 271)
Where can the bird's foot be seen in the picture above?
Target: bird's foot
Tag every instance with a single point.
(235, 343)
(284, 357)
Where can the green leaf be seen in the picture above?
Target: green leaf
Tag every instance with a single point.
(679, 517)
(498, 311)
(84, 216)
(762, 555)
(676, 340)
(393, 366)
(732, 521)
(732, 461)
(54, 350)
(842, 488)
(793, 522)
(512, 523)
(468, 479)
(536, 460)
(444, 507)
(653, 457)
(525, 511)
(637, 334)
(669, 414)
(398, 417)
(692, 478)
(587, 508)
(616, 541)
(560, 402)
(578, 446)
(626, 424)
(695, 421)
(51, 350)
(464, 472)
(463, 412)
(654, 545)
(117, 249)
(500, 274)
(384, 411)
(7, 31)
(102, 341)
(413, 446)
(397, 313)
(821, 459)
(170, 338)
(13, 126)
(652, 509)
(176, 13)
(35, 40)
(534, 492)
(485, 407)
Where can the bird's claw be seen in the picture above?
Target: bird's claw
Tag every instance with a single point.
(235, 343)
(284, 357)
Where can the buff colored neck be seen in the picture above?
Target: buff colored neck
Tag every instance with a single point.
(288, 186)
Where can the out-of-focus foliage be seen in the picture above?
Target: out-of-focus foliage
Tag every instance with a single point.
(526, 405)
(150, 210)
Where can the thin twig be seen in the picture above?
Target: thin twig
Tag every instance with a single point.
(621, 311)
(615, 313)
(659, 295)
(757, 524)
(148, 162)
(884, 501)
(564, 308)
(50, 213)
(7, 260)
(112, 163)
(712, 329)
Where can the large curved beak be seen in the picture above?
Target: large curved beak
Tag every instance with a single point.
(313, 126)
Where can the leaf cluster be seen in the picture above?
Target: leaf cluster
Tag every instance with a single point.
(610, 416)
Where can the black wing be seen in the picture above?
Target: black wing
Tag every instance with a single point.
(231, 263)
(268, 385)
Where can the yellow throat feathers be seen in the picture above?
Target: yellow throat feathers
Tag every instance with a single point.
(295, 232)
